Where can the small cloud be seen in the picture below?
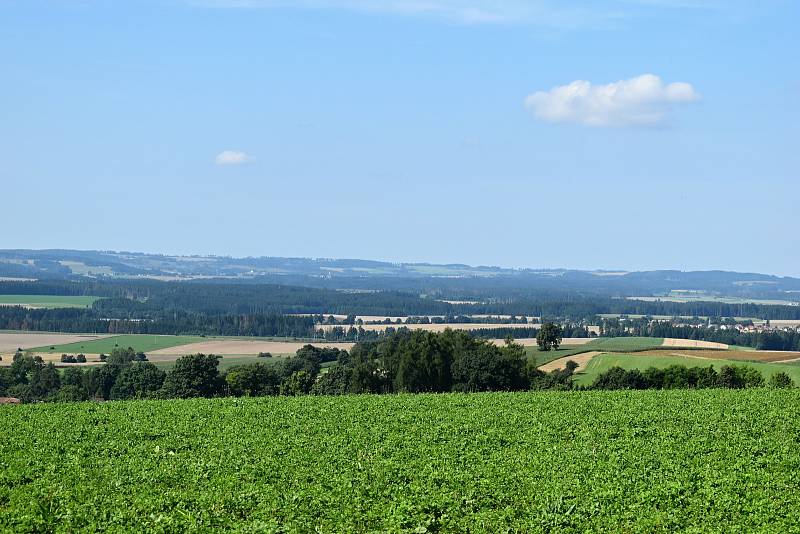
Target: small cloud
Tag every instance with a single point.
(232, 157)
(641, 101)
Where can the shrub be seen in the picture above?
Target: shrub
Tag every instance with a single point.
(781, 380)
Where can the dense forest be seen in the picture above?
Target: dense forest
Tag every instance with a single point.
(137, 299)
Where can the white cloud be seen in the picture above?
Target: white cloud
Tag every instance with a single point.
(643, 100)
(232, 157)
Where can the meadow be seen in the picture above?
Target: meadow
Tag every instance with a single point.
(47, 301)
(139, 342)
(644, 461)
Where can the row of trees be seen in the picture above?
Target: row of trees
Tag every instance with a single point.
(175, 322)
(128, 375)
(681, 377)
(410, 361)
(406, 362)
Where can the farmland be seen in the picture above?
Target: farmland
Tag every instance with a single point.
(642, 360)
(47, 301)
(139, 342)
(529, 462)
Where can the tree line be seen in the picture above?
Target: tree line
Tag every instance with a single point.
(681, 377)
(408, 362)
(137, 298)
(170, 322)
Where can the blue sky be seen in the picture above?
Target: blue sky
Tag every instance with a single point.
(620, 134)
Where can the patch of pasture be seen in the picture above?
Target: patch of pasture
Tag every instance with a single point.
(47, 301)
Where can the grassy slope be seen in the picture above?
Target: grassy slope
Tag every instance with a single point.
(545, 357)
(619, 344)
(139, 342)
(529, 462)
(604, 362)
(48, 301)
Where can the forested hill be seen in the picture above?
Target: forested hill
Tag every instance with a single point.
(451, 281)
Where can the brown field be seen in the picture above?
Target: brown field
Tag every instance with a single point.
(234, 347)
(581, 359)
(692, 343)
(10, 342)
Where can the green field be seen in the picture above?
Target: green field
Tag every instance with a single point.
(139, 342)
(546, 357)
(604, 362)
(48, 301)
(704, 460)
(622, 344)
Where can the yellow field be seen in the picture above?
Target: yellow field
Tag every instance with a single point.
(693, 343)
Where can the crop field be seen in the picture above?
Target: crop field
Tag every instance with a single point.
(642, 360)
(738, 355)
(704, 460)
(139, 342)
(564, 351)
(11, 341)
(620, 344)
(47, 301)
(240, 347)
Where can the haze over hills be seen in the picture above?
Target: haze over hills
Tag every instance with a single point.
(374, 275)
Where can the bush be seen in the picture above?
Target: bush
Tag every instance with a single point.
(781, 380)
(253, 380)
(69, 393)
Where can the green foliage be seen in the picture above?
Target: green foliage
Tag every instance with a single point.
(484, 367)
(137, 381)
(193, 376)
(298, 383)
(598, 461)
(680, 377)
(69, 393)
(781, 380)
(253, 380)
(549, 337)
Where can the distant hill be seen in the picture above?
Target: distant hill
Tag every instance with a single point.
(354, 274)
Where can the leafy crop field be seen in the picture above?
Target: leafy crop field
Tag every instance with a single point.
(47, 301)
(700, 460)
(604, 362)
(139, 342)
